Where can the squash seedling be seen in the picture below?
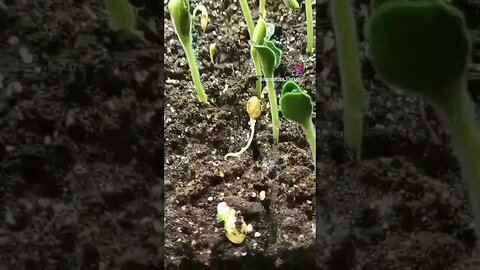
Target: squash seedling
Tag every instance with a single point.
(297, 106)
(124, 18)
(256, 61)
(270, 57)
(254, 109)
(351, 78)
(423, 47)
(182, 22)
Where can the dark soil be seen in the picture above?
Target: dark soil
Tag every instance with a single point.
(404, 206)
(80, 139)
(197, 177)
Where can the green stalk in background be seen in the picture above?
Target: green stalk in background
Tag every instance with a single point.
(262, 9)
(256, 61)
(248, 16)
(351, 78)
(309, 16)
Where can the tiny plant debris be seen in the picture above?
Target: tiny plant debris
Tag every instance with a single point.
(256, 61)
(254, 109)
(213, 51)
(182, 22)
(423, 47)
(351, 78)
(235, 227)
(309, 16)
(297, 106)
(293, 4)
(124, 17)
(270, 57)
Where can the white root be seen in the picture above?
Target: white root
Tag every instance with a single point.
(252, 132)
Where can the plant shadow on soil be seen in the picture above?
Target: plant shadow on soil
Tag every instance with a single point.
(81, 132)
(197, 177)
(404, 206)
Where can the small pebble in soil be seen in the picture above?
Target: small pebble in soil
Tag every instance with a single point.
(10, 219)
(13, 40)
(262, 195)
(14, 88)
(25, 54)
(47, 140)
(257, 234)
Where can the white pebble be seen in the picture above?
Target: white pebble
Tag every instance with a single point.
(257, 234)
(262, 195)
(25, 54)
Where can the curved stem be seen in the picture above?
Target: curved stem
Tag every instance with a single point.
(309, 16)
(252, 132)
(272, 98)
(458, 115)
(202, 97)
(309, 130)
(351, 79)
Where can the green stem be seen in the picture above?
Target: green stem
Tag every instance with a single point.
(309, 130)
(248, 16)
(262, 9)
(258, 71)
(351, 78)
(272, 98)
(255, 58)
(202, 97)
(458, 115)
(309, 15)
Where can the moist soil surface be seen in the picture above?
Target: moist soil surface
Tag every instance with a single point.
(197, 177)
(81, 122)
(405, 205)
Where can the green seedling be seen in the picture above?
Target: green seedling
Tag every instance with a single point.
(204, 19)
(213, 51)
(309, 16)
(423, 47)
(124, 18)
(182, 22)
(351, 78)
(262, 9)
(270, 57)
(291, 4)
(297, 106)
(254, 109)
(256, 61)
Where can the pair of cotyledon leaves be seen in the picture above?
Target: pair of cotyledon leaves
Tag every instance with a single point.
(418, 45)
